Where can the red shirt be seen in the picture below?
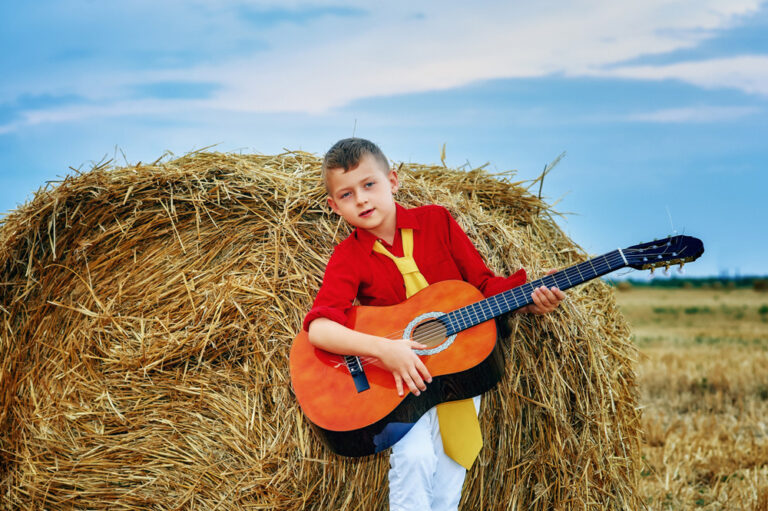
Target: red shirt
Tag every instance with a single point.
(441, 249)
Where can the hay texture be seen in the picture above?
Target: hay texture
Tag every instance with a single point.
(147, 314)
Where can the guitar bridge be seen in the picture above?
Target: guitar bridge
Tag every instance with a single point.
(357, 372)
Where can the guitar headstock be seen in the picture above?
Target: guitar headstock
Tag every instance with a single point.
(664, 252)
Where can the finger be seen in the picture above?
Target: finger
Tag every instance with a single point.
(417, 345)
(550, 272)
(554, 294)
(411, 386)
(424, 371)
(545, 301)
(548, 297)
(556, 297)
(533, 308)
(398, 384)
(416, 377)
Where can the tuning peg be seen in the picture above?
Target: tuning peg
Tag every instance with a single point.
(653, 268)
(680, 269)
(666, 270)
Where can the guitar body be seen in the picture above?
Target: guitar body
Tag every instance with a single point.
(357, 422)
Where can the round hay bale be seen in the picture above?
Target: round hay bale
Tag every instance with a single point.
(147, 314)
(624, 285)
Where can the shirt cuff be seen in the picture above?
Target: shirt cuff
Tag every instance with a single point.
(323, 311)
(505, 284)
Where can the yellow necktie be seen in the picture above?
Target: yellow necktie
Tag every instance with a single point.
(459, 427)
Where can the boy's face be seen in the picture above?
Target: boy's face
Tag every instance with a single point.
(363, 195)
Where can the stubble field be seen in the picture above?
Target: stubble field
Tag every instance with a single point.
(703, 381)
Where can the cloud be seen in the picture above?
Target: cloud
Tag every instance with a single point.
(176, 90)
(332, 56)
(264, 16)
(748, 73)
(71, 113)
(13, 111)
(694, 114)
(459, 44)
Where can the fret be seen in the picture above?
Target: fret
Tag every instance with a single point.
(450, 325)
(517, 301)
(496, 306)
(506, 301)
(460, 318)
(500, 306)
(579, 271)
(565, 274)
(471, 315)
(477, 310)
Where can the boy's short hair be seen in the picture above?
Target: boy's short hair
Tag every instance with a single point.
(347, 153)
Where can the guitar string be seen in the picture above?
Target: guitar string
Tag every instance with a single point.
(366, 360)
(606, 264)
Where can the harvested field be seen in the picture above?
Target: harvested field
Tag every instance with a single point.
(703, 377)
(147, 313)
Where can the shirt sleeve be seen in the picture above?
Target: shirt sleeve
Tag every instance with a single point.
(471, 264)
(338, 291)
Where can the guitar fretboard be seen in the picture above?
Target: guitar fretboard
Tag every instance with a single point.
(479, 312)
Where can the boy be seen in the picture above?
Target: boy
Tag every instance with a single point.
(360, 188)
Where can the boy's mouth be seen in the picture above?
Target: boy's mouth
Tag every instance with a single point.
(366, 213)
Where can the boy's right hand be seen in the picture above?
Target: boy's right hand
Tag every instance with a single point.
(398, 357)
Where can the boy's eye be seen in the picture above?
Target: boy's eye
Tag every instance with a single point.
(345, 195)
(370, 184)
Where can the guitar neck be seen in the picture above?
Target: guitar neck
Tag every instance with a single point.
(516, 298)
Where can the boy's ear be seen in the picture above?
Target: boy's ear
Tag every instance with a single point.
(332, 205)
(393, 180)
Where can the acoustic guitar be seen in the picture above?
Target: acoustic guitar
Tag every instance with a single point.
(353, 402)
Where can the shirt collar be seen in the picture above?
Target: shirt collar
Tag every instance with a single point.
(404, 219)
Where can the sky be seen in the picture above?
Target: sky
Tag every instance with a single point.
(661, 107)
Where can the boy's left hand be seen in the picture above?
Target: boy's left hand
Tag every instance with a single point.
(545, 299)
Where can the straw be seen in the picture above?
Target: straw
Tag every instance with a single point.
(147, 313)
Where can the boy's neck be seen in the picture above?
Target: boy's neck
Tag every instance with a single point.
(385, 232)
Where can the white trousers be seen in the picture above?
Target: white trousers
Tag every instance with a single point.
(421, 476)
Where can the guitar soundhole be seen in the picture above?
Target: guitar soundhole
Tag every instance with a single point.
(431, 333)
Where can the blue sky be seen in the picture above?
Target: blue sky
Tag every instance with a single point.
(662, 107)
